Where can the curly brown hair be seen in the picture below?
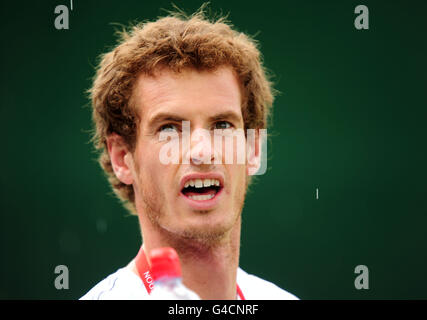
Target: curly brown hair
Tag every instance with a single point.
(176, 42)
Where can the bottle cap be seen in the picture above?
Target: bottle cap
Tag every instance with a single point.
(164, 263)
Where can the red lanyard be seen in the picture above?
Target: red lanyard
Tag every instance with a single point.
(145, 275)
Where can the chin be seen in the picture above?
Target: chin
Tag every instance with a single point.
(204, 230)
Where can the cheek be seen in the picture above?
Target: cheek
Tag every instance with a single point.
(152, 175)
(144, 166)
(238, 177)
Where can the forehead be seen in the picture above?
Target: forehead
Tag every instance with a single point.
(188, 91)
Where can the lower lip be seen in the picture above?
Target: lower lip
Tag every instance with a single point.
(203, 204)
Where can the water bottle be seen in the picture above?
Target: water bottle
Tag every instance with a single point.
(166, 274)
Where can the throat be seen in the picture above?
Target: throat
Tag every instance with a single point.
(212, 274)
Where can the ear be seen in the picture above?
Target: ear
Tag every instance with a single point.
(256, 152)
(121, 158)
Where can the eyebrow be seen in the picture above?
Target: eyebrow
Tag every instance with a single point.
(163, 117)
(228, 115)
(167, 116)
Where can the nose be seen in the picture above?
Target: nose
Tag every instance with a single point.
(196, 161)
(201, 149)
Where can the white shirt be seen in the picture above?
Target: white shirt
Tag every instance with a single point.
(126, 285)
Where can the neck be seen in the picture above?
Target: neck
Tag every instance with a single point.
(209, 269)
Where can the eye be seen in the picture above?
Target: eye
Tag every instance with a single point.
(168, 128)
(223, 125)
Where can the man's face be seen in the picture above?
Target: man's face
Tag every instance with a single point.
(208, 100)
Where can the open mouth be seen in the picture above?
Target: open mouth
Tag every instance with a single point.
(201, 189)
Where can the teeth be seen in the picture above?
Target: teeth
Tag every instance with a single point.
(200, 183)
(202, 197)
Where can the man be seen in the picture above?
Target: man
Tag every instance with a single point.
(162, 75)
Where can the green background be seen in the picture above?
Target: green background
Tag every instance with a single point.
(351, 121)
